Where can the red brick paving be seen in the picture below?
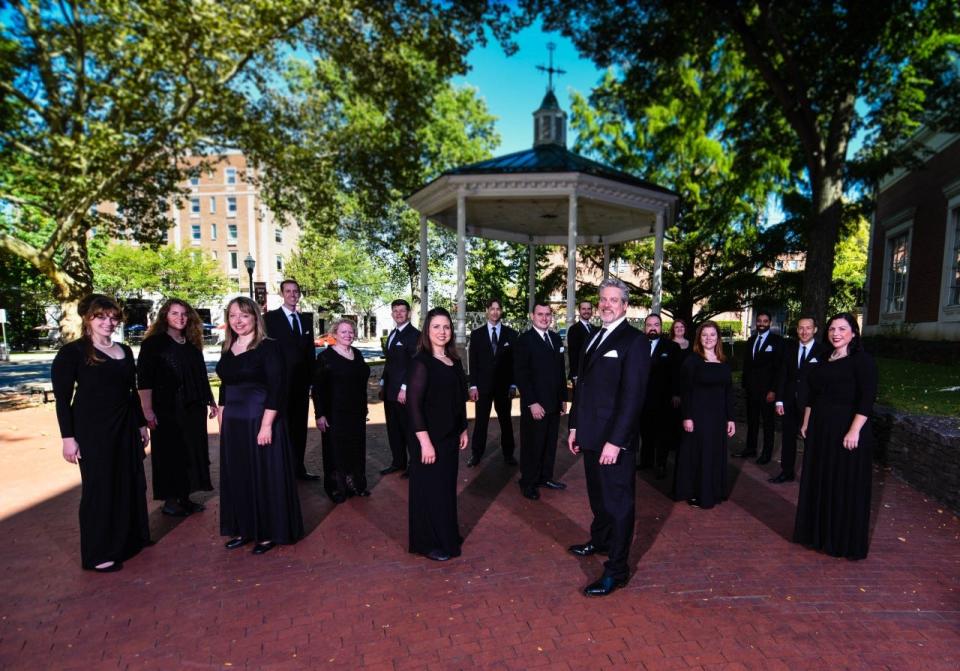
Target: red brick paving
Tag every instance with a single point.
(719, 589)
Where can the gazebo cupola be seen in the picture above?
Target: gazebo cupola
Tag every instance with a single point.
(549, 122)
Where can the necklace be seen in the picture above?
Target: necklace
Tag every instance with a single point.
(180, 339)
(834, 356)
(442, 357)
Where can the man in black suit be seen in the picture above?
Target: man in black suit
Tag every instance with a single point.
(761, 368)
(655, 428)
(611, 385)
(295, 336)
(541, 378)
(491, 380)
(400, 348)
(798, 356)
(578, 334)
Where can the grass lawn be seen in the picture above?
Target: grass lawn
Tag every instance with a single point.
(917, 387)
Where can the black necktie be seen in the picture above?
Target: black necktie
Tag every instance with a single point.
(586, 325)
(295, 323)
(546, 339)
(596, 341)
(493, 339)
(803, 355)
(392, 337)
(756, 346)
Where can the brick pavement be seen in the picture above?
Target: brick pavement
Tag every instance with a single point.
(719, 589)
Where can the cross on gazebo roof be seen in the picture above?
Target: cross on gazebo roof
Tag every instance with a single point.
(550, 70)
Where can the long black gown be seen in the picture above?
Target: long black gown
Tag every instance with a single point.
(258, 492)
(98, 405)
(177, 376)
(702, 456)
(437, 404)
(833, 510)
(340, 395)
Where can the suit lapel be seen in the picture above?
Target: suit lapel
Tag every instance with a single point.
(604, 347)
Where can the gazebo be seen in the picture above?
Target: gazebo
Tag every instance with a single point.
(546, 195)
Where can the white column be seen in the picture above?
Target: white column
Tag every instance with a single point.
(606, 261)
(657, 279)
(461, 268)
(424, 269)
(531, 275)
(572, 260)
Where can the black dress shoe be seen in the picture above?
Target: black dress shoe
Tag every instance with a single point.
(390, 469)
(263, 548)
(781, 478)
(604, 586)
(510, 461)
(586, 549)
(473, 461)
(192, 506)
(308, 476)
(693, 503)
(762, 461)
(530, 493)
(437, 555)
(235, 543)
(113, 568)
(553, 484)
(174, 510)
(744, 455)
(338, 497)
(360, 492)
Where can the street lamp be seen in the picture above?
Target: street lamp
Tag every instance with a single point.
(250, 264)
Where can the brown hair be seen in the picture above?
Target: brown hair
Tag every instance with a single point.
(424, 345)
(95, 305)
(673, 326)
(193, 331)
(717, 349)
(247, 306)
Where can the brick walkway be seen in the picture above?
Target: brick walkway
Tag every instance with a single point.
(720, 589)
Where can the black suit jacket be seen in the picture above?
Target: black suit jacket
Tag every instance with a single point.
(611, 387)
(298, 351)
(398, 352)
(662, 383)
(577, 336)
(539, 371)
(761, 374)
(492, 372)
(790, 385)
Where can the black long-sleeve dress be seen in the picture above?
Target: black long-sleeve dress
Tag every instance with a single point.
(702, 456)
(340, 395)
(258, 492)
(98, 405)
(833, 510)
(437, 404)
(177, 376)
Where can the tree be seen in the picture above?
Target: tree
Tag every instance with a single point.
(125, 271)
(685, 139)
(824, 71)
(101, 101)
(497, 269)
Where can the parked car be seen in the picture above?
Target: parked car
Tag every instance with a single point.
(323, 340)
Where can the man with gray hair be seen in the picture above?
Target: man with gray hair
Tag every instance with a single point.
(604, 421)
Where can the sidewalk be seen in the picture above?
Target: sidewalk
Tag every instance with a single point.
(718, 589)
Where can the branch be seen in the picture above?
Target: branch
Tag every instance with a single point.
(44, 65)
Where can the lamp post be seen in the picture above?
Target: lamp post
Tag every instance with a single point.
(250, 264)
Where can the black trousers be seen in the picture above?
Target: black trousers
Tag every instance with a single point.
(538, 447)
(397, 432)
(501, 401)
(653, 439)
(758, 410)
(792, 419)
(611, 489)
(298, 404)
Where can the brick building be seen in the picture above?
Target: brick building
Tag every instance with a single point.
(913, 272)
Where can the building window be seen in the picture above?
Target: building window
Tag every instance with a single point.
(231, 206)
(164, 237)
(232, 233)
(195, 232)
(230, 175)
(953, 291)
(794, 264)
(897, 261)
(234, 261)
(213, 205)
(279, 263)
(213, 231)
(195, 206)
(278, 235)
(778, 265)
(215, 255)
(195, 180)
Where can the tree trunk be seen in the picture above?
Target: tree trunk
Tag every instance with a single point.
(72, 281)
(822, 245)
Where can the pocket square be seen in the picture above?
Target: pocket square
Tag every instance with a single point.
(664, 355)
(612, 354)
(769, 348)
(561, 350)
(813, 360)
(506, 344)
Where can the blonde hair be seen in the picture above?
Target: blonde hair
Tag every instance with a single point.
(343, 320)
(247, 306)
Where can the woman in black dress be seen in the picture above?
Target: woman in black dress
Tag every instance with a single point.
(833, 511)
(678, 334)
(258, 493)
(340, 405)
(437, 407)
(103, 430)
(707, 409)
(175, 394)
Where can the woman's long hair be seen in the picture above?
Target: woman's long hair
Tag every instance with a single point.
(247, 306)
(717, 349)
(95, 305)
(450, 349)
(855, 344)
(193, 331)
